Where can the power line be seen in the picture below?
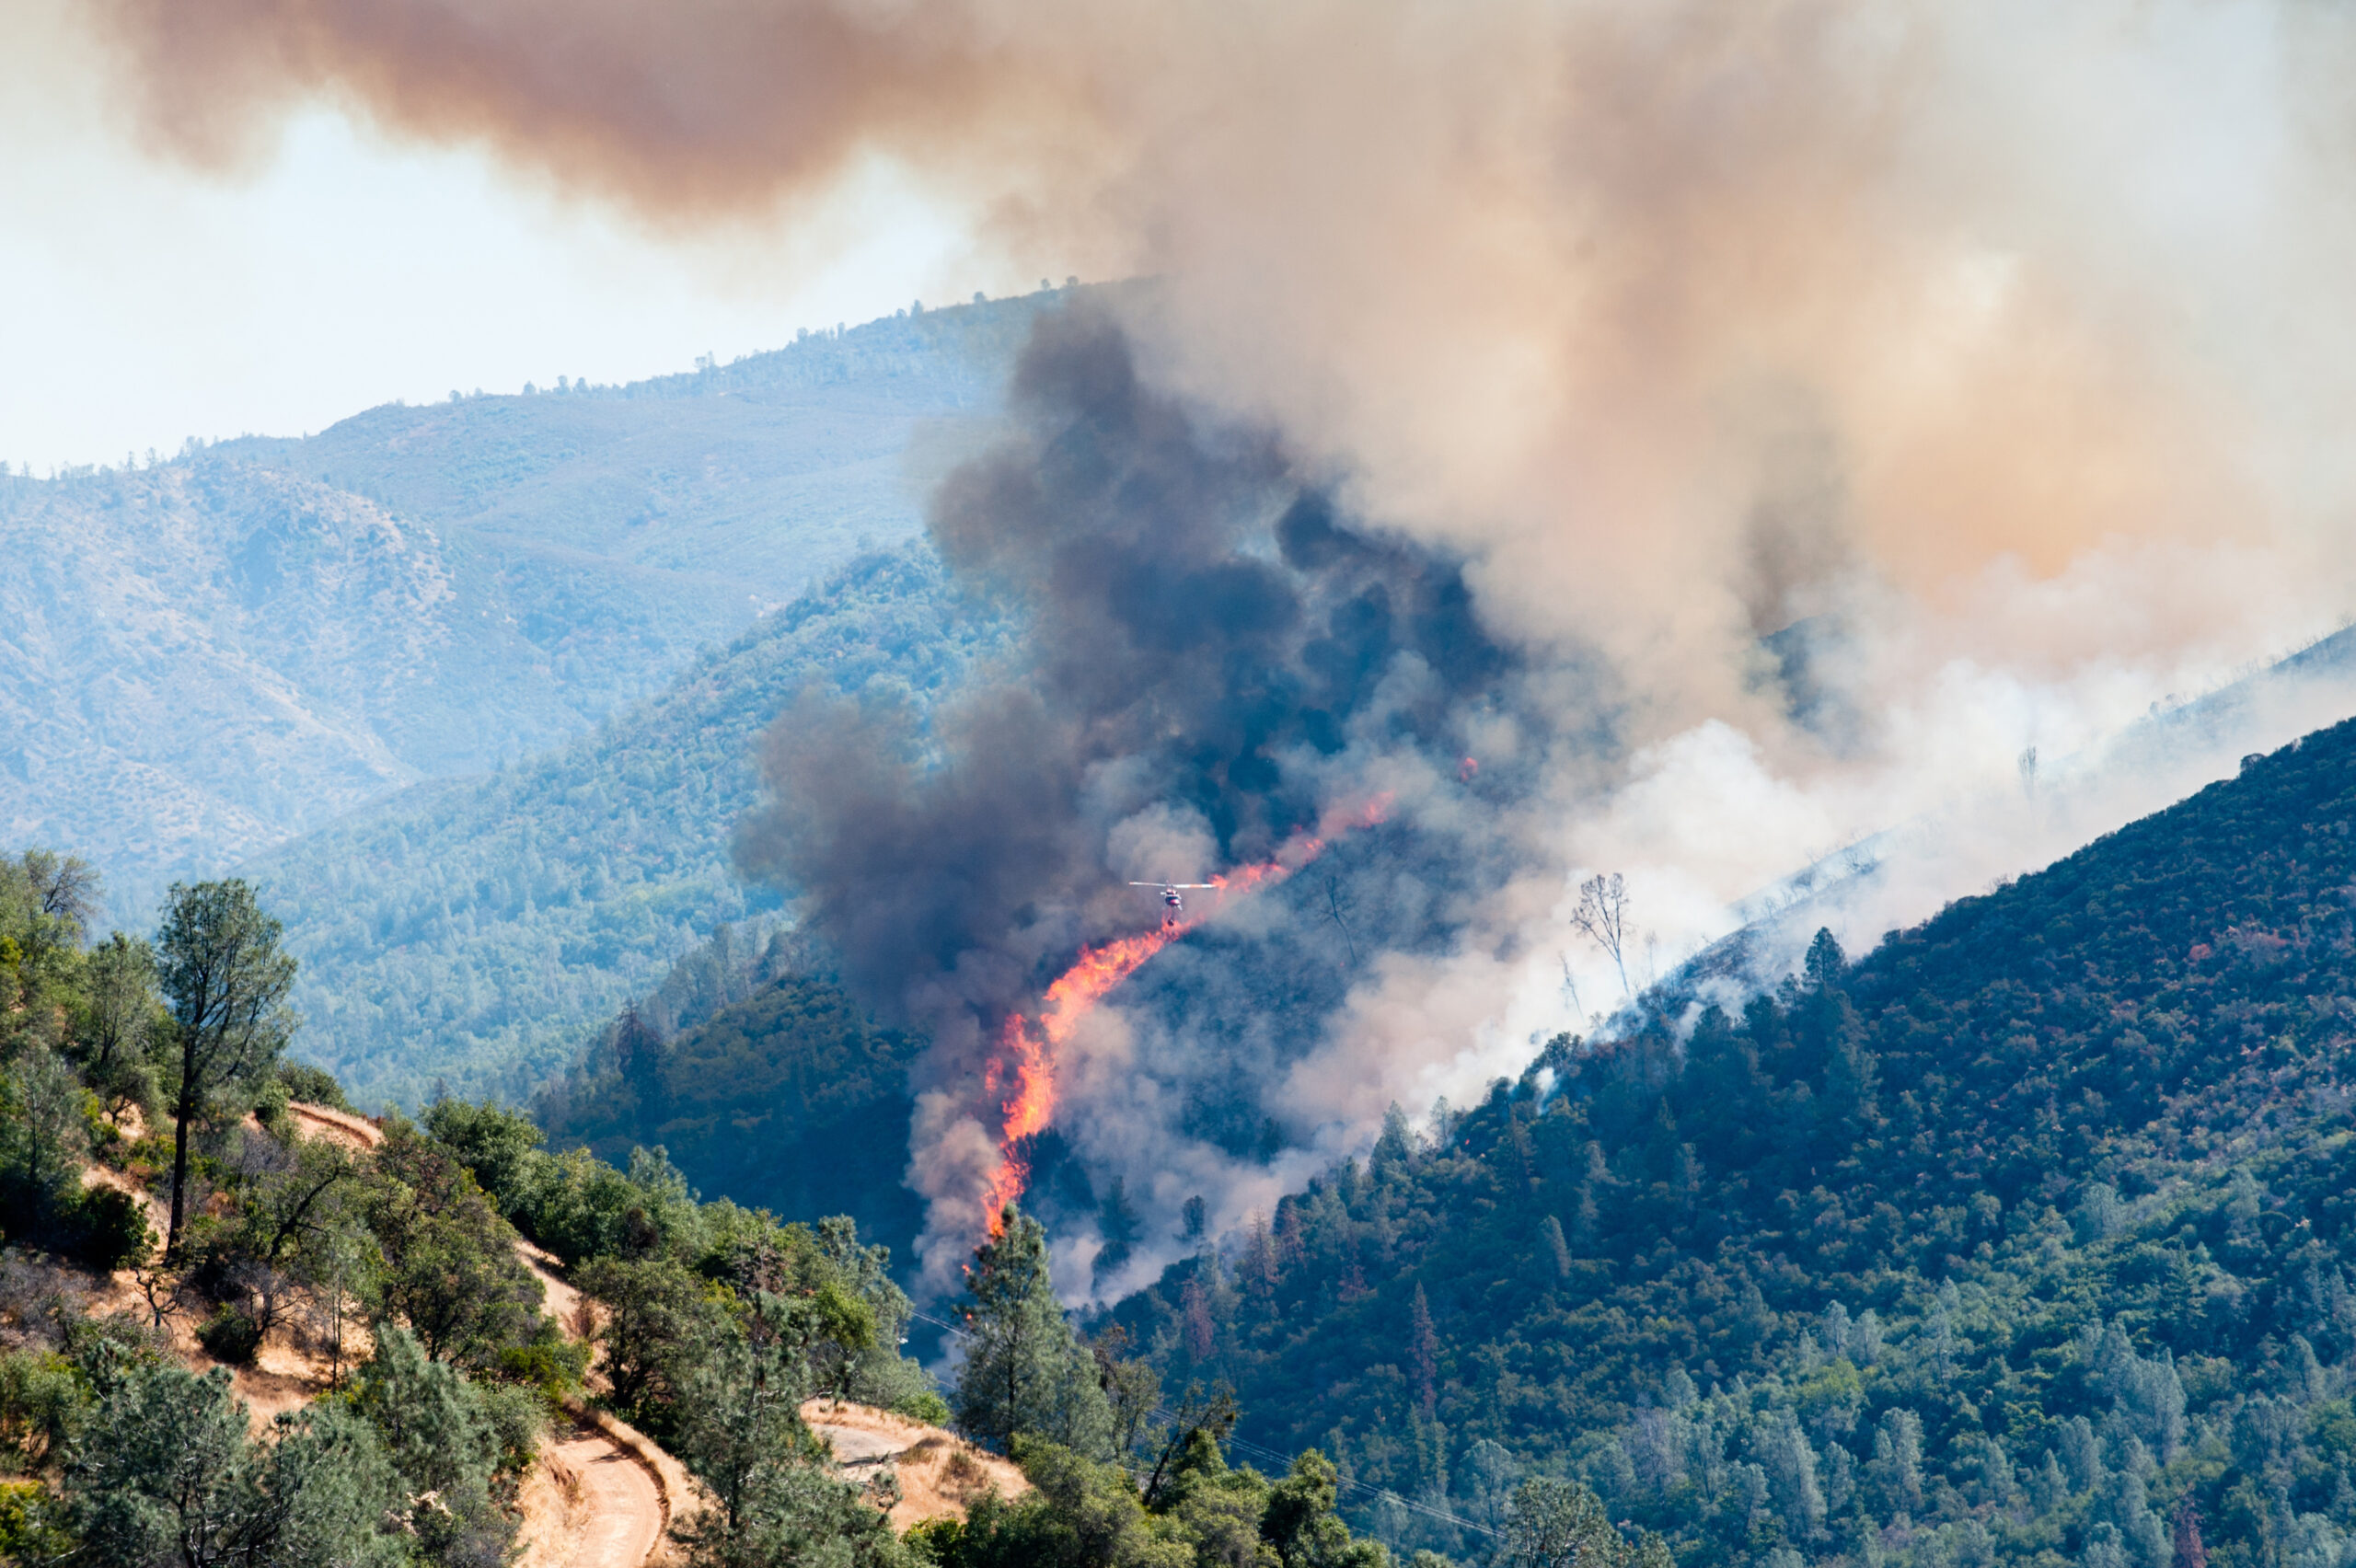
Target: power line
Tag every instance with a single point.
(1271, 1456)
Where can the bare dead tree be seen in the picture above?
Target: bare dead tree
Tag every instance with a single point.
(1334, 909)
(1571, 987)
(165, 1290)
(1602, 917)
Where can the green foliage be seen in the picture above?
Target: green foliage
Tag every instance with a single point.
(1299, 1521)
(449, 1269)
(230, 1334)
(165, 1476)
(46, 1123)
(1084, 1515)
(1087, 1514)
(39, 1403)
(1025, 1372)
(581, 1208)
(120, 1022)
(741, 1432)
(494, 1143)
(47, 902)
(313, 1086)
(30, 1531)
(438, 1433)
(661, 1321)
(49, 1122)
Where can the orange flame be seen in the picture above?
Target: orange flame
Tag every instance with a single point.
(1027, 1048)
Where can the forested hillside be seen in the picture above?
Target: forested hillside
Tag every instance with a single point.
(473, 934)
(785, 1095)
(205, 654)
(2027, 1238)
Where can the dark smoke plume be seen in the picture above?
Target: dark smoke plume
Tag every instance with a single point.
(1212, 658)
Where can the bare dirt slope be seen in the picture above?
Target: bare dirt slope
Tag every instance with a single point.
(285, 1376)
(939, 1473)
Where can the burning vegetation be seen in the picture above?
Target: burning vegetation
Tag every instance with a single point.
(1214, 665)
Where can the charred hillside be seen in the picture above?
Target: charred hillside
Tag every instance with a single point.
(2024, 1238)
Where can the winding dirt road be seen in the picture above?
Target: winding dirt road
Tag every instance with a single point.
(619, 1510)
(603, 1495)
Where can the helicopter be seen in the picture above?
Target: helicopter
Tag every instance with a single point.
(1174, 903)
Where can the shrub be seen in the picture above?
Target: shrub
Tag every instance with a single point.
(112, 1230)
(313, 1086)
(229, 1336)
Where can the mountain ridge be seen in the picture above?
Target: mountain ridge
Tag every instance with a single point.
(206, 656)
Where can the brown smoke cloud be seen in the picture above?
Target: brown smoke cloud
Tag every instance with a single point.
(689, 112)
(1565, 284)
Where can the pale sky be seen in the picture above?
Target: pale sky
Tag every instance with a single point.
(142, 302)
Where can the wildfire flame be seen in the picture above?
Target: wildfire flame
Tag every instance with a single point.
(1025, 1068)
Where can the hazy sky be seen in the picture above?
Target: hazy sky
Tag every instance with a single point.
(142, 302)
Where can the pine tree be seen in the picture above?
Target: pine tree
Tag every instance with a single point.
(1026, 1371)
(227, 983)
(1422, 1354)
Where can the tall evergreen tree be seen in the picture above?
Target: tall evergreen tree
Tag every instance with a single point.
(228, 983)
(1026, 1371)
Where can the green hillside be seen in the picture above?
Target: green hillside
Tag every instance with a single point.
(790, 1099)
(2026, 1238)
(204, 655)
(472, 934)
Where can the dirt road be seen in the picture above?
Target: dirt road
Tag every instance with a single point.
(607, 1494)
(621, 1510)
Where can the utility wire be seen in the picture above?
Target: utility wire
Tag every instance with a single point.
(1270, 1456)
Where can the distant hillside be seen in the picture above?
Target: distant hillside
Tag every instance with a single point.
(201, 658)
(473, 933)
(2025, 1240)
(733, 488)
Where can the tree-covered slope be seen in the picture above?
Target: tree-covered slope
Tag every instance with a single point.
(790, 1099)
(472, 933)
(202, 656)
(2026, 1238)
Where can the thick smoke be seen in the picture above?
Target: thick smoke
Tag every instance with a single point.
(1211, 663)
(1565, 284)
(1878, 389)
